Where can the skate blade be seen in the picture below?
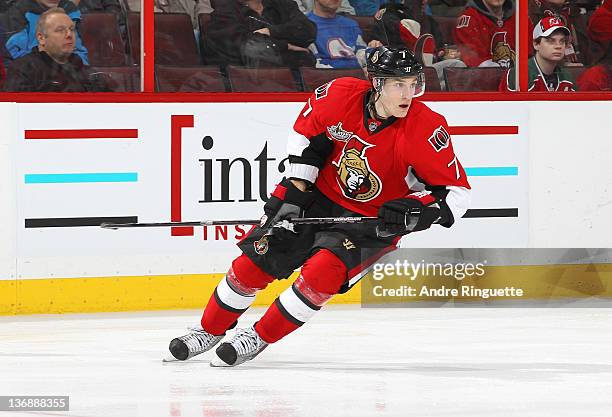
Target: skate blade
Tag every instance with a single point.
(170, 358)
(217, 362)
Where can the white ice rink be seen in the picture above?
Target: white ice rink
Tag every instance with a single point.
(347, 361)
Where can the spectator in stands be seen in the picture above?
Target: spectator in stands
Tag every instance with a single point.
(22, 19)
(306, 6)
(403, 23)
(191, 7)
(4, 5)
(599, 77)
(339, 38)
(370, 7)
(203, 6)
(105, 6)
(3, 52)
(2, 74)
(572, 16)
(257, 32)
(409, 24)
(52, 66)
(600, 23)
(446, 8)
(546, 73)
(485, 33)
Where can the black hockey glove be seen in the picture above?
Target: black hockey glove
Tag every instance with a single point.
(413, 213)
(286, 202)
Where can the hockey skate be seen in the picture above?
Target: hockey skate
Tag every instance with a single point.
(195, 342)
(242, 347)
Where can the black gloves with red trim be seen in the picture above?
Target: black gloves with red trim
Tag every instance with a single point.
(286, 202)
(415, 212)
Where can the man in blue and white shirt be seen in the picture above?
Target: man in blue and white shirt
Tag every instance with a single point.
(338, 39)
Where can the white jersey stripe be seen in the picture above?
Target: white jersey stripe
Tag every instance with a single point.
(296, 144)
(303, 171)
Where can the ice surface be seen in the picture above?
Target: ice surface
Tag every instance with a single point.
(347, 361)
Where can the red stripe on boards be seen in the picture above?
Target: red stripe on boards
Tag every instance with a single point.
(82, 134)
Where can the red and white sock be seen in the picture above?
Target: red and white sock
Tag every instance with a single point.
(234, 295)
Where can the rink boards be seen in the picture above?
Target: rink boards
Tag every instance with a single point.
(65, 168)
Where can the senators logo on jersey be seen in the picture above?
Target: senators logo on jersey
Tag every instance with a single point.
(439, 139)
(355, 177)
(321, 91)
(261, 246)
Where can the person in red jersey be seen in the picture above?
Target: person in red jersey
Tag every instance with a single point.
(486, 35)
(600, 23)
(599, 77)
(358, 148)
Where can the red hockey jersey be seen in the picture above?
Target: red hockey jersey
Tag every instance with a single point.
(371, 163)
(481, 37)
(600, 23)
(596, 78)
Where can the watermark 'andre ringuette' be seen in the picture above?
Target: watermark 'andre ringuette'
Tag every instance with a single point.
(458, 271)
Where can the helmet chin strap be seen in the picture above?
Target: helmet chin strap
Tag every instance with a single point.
(374, 98)
(375, 113)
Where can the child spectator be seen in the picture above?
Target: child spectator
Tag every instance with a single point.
(546, 73)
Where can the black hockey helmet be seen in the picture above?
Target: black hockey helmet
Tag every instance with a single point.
(386, 62)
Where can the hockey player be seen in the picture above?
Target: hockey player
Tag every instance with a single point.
(359, 148)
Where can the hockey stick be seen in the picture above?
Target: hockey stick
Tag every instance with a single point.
(300, 220)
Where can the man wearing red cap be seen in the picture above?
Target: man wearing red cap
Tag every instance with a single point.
(546, 73)
(574, 17)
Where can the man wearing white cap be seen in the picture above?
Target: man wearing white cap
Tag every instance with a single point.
(546, 73)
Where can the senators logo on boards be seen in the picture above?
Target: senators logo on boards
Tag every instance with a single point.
(355, 177)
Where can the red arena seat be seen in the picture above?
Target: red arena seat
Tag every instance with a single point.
(446, 25)
(432, 82)
(313, 77)
(189, 79)
(367, 25)
(101, 37)
(261, 79)
(175, 42)
(203, 22)
(473, 79)
(119, 79)
(575, 72)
